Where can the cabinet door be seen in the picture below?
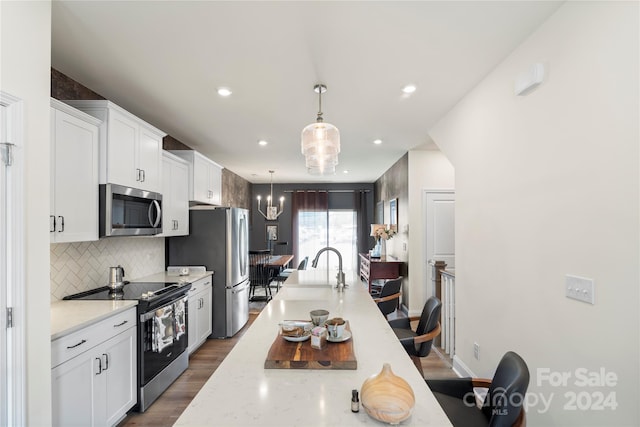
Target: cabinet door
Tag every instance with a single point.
(122, 151)
(204, 314)
(120, 370)
(215, 184)
(74, 179)
(201, 185)
(149, 159)
(180, 198)
(192, 325)
(168, 205)
(175, 198)
(72, 392)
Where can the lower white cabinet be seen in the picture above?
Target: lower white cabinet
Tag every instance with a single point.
(93, 378)
(200, 315)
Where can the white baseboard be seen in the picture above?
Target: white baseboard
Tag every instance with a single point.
(461, 369)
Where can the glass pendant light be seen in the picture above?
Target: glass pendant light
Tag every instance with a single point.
(320, 142)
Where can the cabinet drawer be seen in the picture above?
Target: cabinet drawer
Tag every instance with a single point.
(80, 341)
(200, 285)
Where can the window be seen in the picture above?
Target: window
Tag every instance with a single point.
(335, 228)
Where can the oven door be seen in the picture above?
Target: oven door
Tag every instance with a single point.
(163, 337)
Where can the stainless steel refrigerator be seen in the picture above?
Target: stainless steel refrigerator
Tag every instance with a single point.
(219, 239)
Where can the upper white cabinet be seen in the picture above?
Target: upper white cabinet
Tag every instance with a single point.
(130, 148)
(175, 196)
(205, 177)
(74, 175)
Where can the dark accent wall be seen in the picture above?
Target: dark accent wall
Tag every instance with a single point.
(236, 191)
(64, 87)
(257, 232)
(394, 184)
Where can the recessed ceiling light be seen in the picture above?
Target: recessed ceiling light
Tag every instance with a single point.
(224, 91)
(345, 171)
(409, 89)
(377, 141)
(262, 142)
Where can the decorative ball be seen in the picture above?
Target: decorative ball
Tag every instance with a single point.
(387, 397)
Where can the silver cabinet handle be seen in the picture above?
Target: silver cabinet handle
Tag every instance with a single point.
(137, 174)
(52, 224)
(76, 345)
(106, 361)
(99, 359)
(61, 224)
(121, 324)
(143, 175)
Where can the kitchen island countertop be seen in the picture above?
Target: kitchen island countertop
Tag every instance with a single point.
(241, 392)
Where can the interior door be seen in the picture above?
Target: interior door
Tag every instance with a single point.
(440, 231)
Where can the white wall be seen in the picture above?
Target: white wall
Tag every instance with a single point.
(428, 170)
(25, 73)
(548, 185)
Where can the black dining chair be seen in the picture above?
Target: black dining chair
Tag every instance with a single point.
(502, 405)
(418, 343)
(388, 297)
(260, 274)
(284, 274)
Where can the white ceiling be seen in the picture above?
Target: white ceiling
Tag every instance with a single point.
(163, 61)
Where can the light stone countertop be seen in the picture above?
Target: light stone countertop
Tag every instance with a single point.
(165, 276)
(242, 393)
(70, 316)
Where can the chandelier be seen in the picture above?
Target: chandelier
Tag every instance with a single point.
(272, 211)
(320, 142)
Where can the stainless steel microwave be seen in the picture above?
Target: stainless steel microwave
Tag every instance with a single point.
(126, 211)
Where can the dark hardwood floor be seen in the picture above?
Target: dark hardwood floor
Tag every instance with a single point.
(204, 361)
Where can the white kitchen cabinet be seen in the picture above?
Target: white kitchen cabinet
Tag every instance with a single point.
(130, 148)
(205, 177)
(74, 175)
(200, 315)
(175, 196)
(93, 376)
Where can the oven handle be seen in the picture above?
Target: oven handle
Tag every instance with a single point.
(151, 313)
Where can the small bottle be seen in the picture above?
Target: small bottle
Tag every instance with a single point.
(355, 402)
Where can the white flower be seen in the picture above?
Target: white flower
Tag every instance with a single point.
(382, 231)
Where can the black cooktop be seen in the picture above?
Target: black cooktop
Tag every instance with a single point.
(147, 293)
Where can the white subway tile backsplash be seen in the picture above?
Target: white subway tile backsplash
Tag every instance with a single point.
(77, 267)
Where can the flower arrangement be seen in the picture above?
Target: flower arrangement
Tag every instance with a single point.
(382, 231)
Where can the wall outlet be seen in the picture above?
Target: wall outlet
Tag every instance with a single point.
(580, 288)
(476, 350)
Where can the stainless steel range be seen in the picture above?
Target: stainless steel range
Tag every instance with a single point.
(162, 332)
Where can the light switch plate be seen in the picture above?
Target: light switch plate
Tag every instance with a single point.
(580, 288)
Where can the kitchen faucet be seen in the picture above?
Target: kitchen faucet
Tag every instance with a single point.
(340, 275)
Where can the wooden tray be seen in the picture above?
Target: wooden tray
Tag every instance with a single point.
(284, 354)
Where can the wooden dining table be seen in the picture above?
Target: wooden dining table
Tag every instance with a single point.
(279, 261)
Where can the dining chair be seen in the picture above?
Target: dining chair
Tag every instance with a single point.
(502, 405)
(279, 248)
(260, 274)
(388, 297)
(284, 274)
(418, 343)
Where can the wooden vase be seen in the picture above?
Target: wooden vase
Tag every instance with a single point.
(387, 397)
